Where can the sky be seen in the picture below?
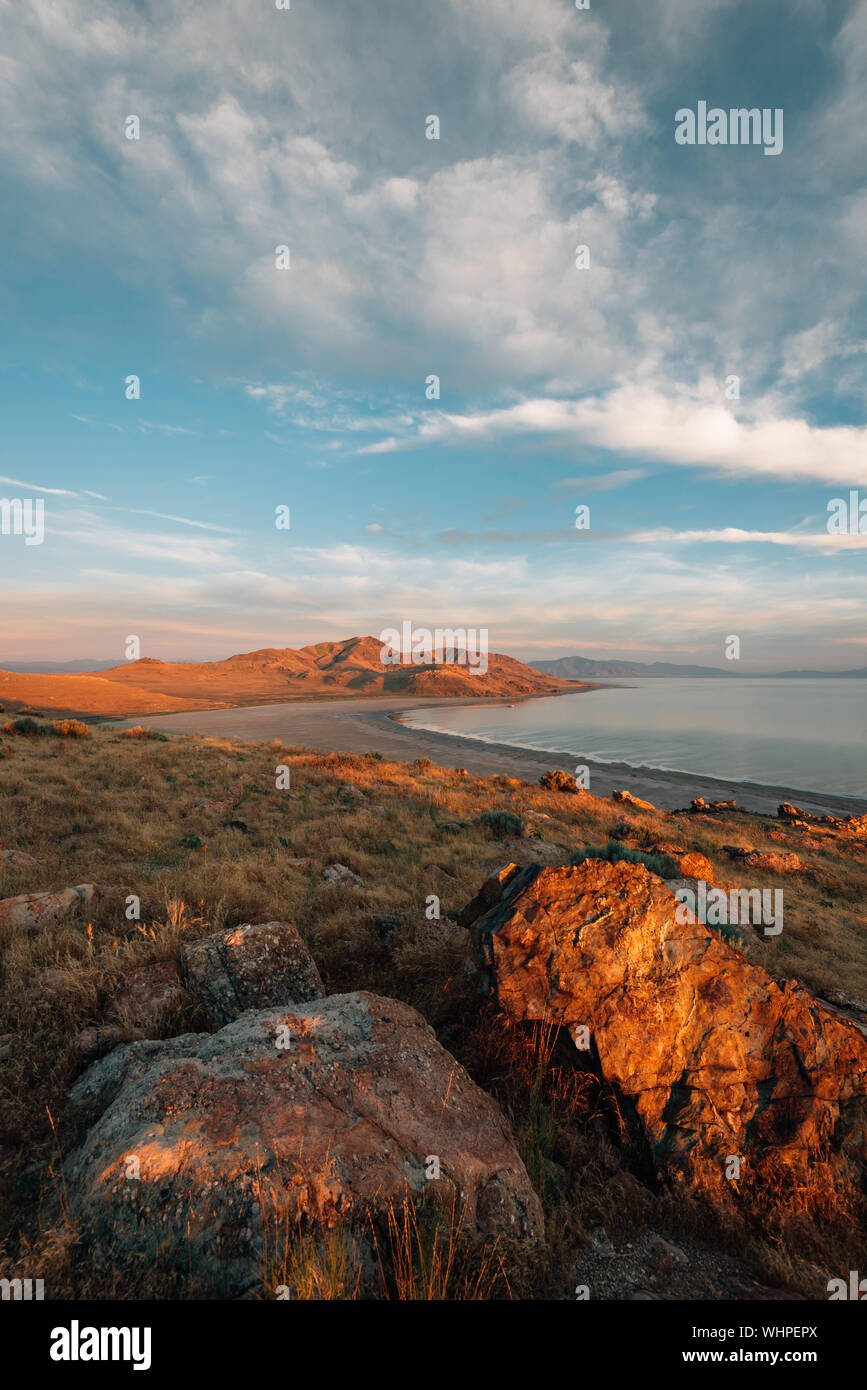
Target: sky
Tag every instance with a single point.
(308, 386)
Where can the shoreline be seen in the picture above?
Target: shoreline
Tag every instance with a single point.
(373, 725)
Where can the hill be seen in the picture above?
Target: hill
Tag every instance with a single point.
(350, 667)
(586, 668)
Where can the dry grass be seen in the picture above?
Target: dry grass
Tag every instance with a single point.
(152, 814)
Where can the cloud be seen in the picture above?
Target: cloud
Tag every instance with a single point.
(567, 97)
(34, 487)
(683, 428)
(181, 520)
(733, 535)
(600, 482)
(145, 425)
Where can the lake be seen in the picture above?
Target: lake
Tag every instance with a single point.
(809, 734)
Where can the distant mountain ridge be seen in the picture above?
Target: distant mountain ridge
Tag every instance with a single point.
(56, 668)
(350, 667)
(587, 669)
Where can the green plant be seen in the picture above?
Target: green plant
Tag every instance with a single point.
(26, 726)
(503, 825)
(615, 852)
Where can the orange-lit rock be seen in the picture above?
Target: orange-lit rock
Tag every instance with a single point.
(341, 1121)
(769, 861)
(709, 1055)
(854, 827)
(690, 862)
(631, 800)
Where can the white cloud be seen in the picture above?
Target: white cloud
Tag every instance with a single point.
(682, 428)
(34, 487)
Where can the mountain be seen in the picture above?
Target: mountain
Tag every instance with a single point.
(351, 667)
(42, 668)
(584, 668)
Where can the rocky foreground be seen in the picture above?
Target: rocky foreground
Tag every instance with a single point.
(325, 1109)
(472, 1030)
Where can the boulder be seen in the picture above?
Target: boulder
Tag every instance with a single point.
(854, 827)
(338, 874)
(690, 862)
(699, 806)
(708, 1055)
(631, 800)
(238, 1137)
(42, 909)
(768, 861)
(250, 967)
(17, 859)
(350, 792)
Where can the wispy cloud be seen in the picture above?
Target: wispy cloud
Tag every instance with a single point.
(35, 487)
(181, 520)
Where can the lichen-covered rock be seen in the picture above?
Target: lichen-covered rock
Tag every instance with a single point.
(326, 1111)
(250, 967)
(709, 1055)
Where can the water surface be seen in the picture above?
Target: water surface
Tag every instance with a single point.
(809, 734)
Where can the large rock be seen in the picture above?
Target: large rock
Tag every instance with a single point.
(42, 909)
(251, 967)
(710, 1057)
(232, 1129)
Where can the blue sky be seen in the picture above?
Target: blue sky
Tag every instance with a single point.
(410, 257)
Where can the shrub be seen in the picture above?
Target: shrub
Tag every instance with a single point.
(615, 852)
(70, 728)
(139, 732)
(26, 726)
(422, 764)
(503, 825)
(557, 781)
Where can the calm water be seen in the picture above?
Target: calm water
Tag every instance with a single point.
(809, 734)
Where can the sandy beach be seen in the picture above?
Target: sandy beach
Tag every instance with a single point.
(373, 725)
